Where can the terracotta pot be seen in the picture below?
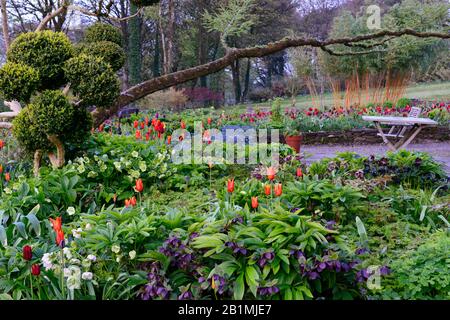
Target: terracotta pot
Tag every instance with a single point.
(294, 142)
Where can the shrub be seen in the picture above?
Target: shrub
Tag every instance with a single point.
(403, 102)
(18, 81)
(45, 51)
(110, 52)
(28, 133)
(103, 32)
(52, 112)
(169, 99)
(92, 80)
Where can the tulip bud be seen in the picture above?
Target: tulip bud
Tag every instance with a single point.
(35, 270)
(27, 253)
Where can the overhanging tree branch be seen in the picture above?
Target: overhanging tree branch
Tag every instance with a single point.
(160, 83)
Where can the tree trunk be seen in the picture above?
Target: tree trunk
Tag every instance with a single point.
(134, 53)
(167, 37)
(5, 24)
(157, 57)
(247, 80)
(58, 160)
(236, 73)
(37, 162)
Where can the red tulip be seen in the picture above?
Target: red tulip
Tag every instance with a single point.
(147, 136)
(56, 223)
(139, 187)
(138, 135)
(209, 121)
(230, 185)
(183, 125)
(101, 128)
(254, 202)
(127, 203)
(169, 140)
(278, 188)
(142, 125)
(27, 253)
(35, 270)
(271, 173)
(146, 121)
(133, 201)
(299, 172)
(59, 237)
(1, 169)
(2, 144)
(7, 176)
(136, 124)
(267, 189)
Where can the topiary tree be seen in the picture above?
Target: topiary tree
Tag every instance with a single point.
(42, 68)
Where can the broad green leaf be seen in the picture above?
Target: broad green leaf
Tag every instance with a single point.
(239, 287)
(34, 223)
(3, 238)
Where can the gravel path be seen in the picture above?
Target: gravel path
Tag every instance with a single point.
(439, 150)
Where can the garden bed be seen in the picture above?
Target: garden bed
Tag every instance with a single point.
(368, 136)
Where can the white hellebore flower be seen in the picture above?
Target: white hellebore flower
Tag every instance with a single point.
(87, 276)
(92, 257)
(67, 253)
(67, 272)
(77, 233)
(115, 248)
(132, 254)
(70, 211)
(88, 226)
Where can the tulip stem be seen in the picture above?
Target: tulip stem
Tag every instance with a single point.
(62, 275)
(31, 285)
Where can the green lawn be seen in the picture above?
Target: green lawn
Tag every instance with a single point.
(433, 92)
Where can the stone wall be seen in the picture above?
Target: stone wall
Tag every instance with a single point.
(369, 136)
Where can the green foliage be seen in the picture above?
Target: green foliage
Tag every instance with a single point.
(110, 52)
(103, 32)
(388, 104)
(422, 274)
(232, 19)
(28, 133)
(52, 112)
(46, 52)
(18, 81)
(92, 80)
(403, 102)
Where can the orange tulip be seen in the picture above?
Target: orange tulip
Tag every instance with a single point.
(183, 124)
(59, 237)
(101, 128)
(139, 187)
(1, 169)
(254, 202)
(2, 144)
(267, 189)
(299, 172)
(7, 177)
(169, 140)
(209, 121)
(271, 173)
(230, 185)
(127, 203)
(136, 124)
(133, 201)
(115, 197)
(146, 121)
(278, 188)
(56, 223)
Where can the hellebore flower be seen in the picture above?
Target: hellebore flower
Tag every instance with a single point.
(271, 173)
(230, 185)
(27, 253)
(35, 270)
(139, 187)
(254, 202)
(267, 189)
(278, 188)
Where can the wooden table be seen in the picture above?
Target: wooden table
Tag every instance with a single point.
(409, 128)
